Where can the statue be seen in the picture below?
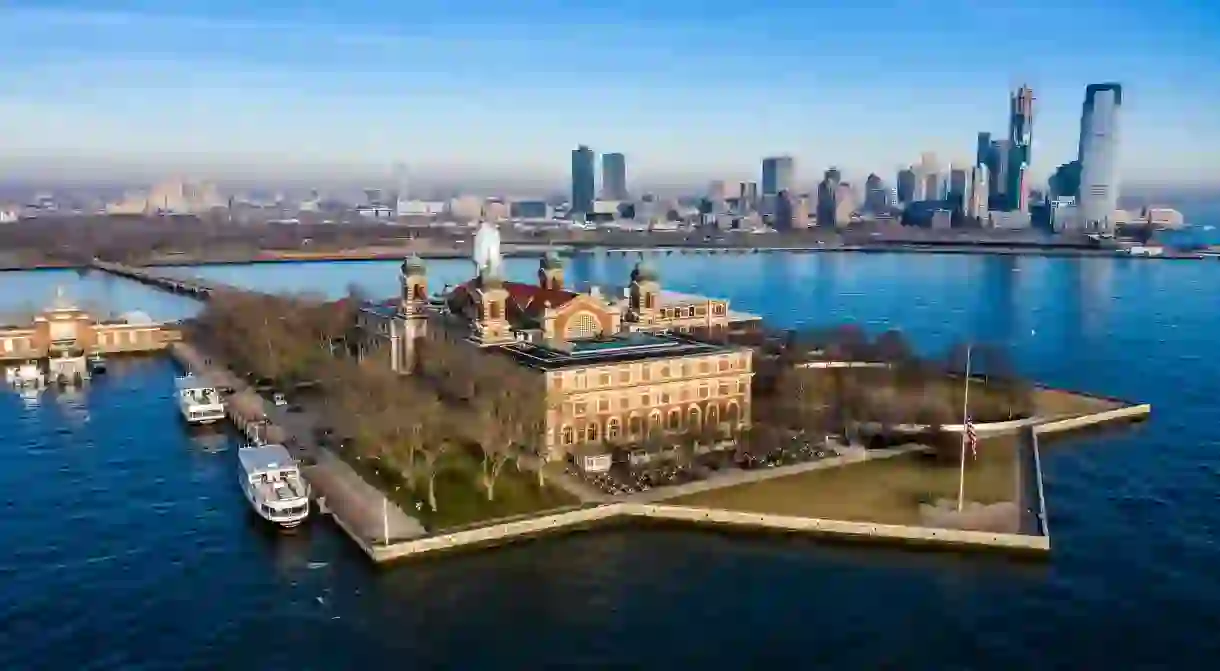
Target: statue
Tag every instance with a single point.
(487, 259)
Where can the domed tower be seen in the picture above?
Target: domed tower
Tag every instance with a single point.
(413, 278)
(412, 315)
(491, 325)
(550, 271)
(645, 293)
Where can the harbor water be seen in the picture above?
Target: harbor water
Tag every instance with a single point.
(125, 542)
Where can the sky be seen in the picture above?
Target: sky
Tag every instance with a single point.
(689, 90)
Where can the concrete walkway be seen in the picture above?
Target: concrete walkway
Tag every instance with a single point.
(359, 508)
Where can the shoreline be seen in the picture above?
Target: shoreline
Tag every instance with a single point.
(1050, 251)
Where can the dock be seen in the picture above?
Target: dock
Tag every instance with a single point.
(358, 508)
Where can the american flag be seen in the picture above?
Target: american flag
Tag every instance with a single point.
(972, 438)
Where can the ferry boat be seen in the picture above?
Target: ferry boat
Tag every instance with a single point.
(272, 483)
(97, 364)
(199, 402)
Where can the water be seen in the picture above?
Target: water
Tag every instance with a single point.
(124, 541)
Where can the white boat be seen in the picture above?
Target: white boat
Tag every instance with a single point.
(25, 374)
(97, 364)
(199, 402)
(273, 484)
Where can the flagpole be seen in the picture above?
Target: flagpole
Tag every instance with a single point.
(961, 478)
(385, 517)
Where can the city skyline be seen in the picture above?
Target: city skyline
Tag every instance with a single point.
(243, 91)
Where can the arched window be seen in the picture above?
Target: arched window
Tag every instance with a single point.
(419, 292)
(582, 326)
(733, 413)
(693, 418)
(568, 436)
(650, 301)
(675, 420)
(713, 414)
(654, 420)
(591, 433)
(493, 310)
(636, 425)
(612, 428)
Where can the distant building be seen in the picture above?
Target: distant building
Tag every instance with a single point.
(1099, 138)
(905, 185)
(828, 192)
(778, 174)
(583, 180)
(876, 194)
(530, 209)
(1065, 182)
(974, 200)
(785, 212)
(614, 176)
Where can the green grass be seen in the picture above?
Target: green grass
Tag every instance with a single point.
(460, 497)
(885, 491)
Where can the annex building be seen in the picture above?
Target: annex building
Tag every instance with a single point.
(616, 369)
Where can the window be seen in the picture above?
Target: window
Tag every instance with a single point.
(664, 398)
(713, 414)
(582, 326)
(741, 386)
(567, 435)
(701, 311)
(724, 388)
(604, 379)
(718, 309)
(603, 405)
(645, 373)
(624, 377)
(693, 417)
(704, 368)
(624, 402)
(674, 420)
(722, 365)
(591, 433)
(664, 371)
(704, 392)
(654, 420)
(612, 428)
(636, 425)
(645, 400)
(732, 413)
(650, 301)
(558, 381)
(581, 381)
(493, 310)
(580, 409)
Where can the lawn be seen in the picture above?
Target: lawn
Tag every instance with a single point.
(460, 498)
(886, 491)
(1061, 403)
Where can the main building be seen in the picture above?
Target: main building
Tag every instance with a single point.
(621, 369)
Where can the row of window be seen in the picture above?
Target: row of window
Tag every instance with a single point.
(649, 372)
(104, 338)
(690, 311)
(662, 397)
(613, 428)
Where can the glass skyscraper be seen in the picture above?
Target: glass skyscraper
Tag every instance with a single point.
(614, 176)
(584, 179)
(777, 175)
(1099, 137)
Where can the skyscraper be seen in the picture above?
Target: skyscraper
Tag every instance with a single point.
(828, 195)
(1020, 142)
(975, 199)
(1099, 137)
(778, 173)
(583, 180)
(876, 194)
(614, 176)
(905, 185)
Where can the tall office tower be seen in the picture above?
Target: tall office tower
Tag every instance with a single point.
(999, 168)
(974, 200)
(1065, 182)
(828, 193)
(583, 180)
(876, 194)
(905, 185)
(956, 187)
(1018, 156)
(614, 176)
(778, 173)
(785, 211)
(749, 195)
(1099, 138)
(982, 155)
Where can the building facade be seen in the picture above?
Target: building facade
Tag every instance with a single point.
(616, 369)
(614, 176)
(584, 180)
(1099, 138)
(778, 174)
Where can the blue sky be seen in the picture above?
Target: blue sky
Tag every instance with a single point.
(689, 90)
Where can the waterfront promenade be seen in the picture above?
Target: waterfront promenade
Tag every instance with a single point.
(358, 508)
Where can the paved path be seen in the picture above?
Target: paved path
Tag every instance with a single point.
(358, 506)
